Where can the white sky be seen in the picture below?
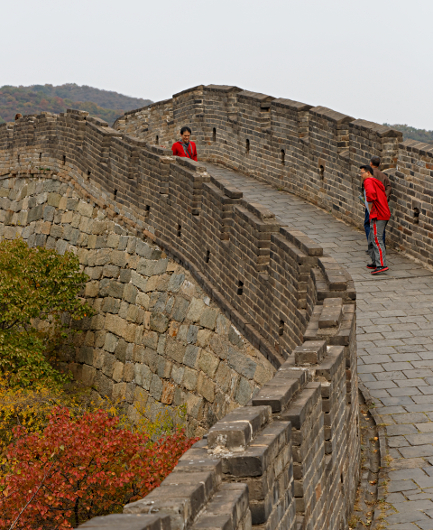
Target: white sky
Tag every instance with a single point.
(370, 59)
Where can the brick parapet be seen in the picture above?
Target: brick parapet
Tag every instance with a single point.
(313, 152)
(271, 283)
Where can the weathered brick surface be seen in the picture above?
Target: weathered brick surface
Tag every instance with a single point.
(157, 338)
(247, 289)
(313, 152)
(128, 522)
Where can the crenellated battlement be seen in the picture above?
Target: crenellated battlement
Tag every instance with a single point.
(314, 152)
(138, 206)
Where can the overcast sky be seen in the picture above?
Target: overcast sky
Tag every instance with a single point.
(370, 59)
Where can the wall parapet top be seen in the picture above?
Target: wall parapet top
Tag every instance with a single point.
(311, 151)
(273, 282)
(417, 147)
(331, 115)
(254, 96)
(222, 88)
(188, 90)
(291, 104)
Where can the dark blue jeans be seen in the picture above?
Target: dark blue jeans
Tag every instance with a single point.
(367, 226)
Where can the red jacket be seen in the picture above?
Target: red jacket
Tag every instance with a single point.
(375, 193)
(178, 150)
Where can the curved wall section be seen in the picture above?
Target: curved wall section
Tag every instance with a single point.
(314, 152)
(156, 339)
(290, 457)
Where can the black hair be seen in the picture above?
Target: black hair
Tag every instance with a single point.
(375, 160)
(185, 128)
(367, 168)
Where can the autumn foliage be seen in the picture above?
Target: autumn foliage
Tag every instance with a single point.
(63, 458)
(78, 468)
(38, 288)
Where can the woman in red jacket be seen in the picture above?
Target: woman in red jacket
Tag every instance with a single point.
(377, 204)
(185, 147)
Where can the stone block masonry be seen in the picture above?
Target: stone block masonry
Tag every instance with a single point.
(157, 339)
(313, 152)
(200, 297)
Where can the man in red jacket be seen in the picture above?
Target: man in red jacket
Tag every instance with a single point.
(185, 147)
(377, 204)
(375, 163)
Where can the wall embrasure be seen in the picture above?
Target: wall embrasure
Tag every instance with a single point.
(157, 339)
(287, 459)
(314, 152)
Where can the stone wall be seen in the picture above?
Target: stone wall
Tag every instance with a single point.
(313, 152)
(140, 220)
(156, 339)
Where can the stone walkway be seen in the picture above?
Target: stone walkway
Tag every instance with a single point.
(395, 345)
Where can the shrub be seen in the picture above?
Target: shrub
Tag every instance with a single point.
(31, 407)
(79, 468)
(37, 286)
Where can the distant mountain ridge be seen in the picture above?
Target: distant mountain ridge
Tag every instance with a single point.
(411, 133)
(105, 104)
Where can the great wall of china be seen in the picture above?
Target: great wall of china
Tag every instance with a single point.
(204, 298)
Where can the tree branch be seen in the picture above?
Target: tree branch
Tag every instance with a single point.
(31, 498)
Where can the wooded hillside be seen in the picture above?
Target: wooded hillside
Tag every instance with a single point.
(104, 104)
(410, 133)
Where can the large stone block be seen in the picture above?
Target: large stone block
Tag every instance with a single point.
(236, 430)
(138, 280)
(130, 293)
(196, 310)
(152, 267)
(128, 522)
(208, 318)
(116, 325)
(175, 350)
(206, 387)
(83, 208)
(191, 356)
(158, 322)
(180, 309)
(208, 363)
(240, 363)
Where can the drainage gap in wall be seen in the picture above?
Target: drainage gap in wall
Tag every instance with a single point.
(147, 209)
(40, 156)
(19, 156)
(283, 157)
(369, 509)
(207, 258)
(179, 230)
(214, 135)
(322, 172)
(247, 146)
(281, 328)
(157, 140)
(115, 194)
(416, 216)
(240, 288)
(89, 172)
(64, 159)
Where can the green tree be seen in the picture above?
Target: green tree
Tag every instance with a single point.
(38, 297)
(411, 133)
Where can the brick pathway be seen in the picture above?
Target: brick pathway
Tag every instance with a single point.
(395, 346)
